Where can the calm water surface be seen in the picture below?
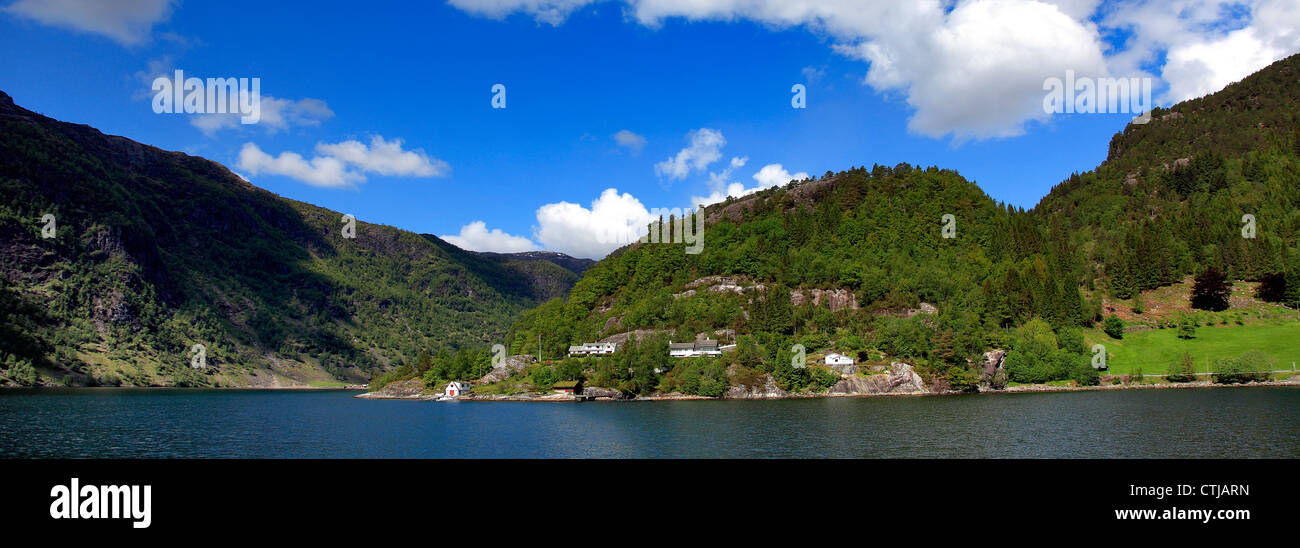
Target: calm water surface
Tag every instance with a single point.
(132, 423)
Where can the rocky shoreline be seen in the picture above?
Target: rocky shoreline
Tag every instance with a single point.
(899, 381)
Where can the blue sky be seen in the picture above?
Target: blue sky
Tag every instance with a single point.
(577, 73)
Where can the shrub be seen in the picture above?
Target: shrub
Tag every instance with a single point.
(1186, 327)
(1253, 366)
(1113, 326)
(1182, 370)
(1085, 374)
(1135, 375)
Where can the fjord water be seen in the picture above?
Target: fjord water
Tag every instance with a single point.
(150, 423)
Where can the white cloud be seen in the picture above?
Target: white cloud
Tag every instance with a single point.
(612, 221)
(126, 21)
(476, 237)
(343, 164)
(769, 176)
(629, 140)
(551, 12)
(320, 171)
(975, 68)
(979, 71)
(1208, 44)
(705, 148)
(276, 115)
(386, 158)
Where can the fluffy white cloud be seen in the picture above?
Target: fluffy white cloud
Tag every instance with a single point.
(975, 68)
(769, 176)
(629, 140)
(705, 148)
(476, 237)
(1208, 44)
(320, 171)
(612, 221)
(978, 71)
(386, 158)
(343, 164)
(126, 21)
(276, 115)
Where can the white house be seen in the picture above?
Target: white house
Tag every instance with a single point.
(593, 349)
(838, 359)
(707, 347)
(455, 389)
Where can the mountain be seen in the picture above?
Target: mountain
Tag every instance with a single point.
(572, 264)
(858, 261)
(153, 252)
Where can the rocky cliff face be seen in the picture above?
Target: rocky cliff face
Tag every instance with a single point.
(900, 379)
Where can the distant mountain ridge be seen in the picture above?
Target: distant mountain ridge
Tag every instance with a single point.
(156, 253)
(572, 264)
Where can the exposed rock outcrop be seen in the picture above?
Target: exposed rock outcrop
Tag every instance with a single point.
(993, 360)
(836, 299)
(506, 368)
(621, 338)
(845, 369)
(901, 379)
(767, 390)
(601, 392)
(407, 389)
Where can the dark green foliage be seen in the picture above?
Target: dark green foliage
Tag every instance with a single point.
(1113, 326)
(1272, 288)
(1085, 374)
(1211, 290)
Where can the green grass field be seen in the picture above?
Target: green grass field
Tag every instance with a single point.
(1153, 351)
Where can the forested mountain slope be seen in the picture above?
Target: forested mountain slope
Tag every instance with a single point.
(854, 260)
(155, 252)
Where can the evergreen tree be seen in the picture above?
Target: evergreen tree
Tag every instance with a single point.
(1211, 290)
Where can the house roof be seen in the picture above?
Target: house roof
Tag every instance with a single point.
(567, 384)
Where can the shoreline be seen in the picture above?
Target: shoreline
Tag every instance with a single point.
(1022, 389)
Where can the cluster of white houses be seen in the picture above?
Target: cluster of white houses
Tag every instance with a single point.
(593, 349)
(838, 359)
(706, 347)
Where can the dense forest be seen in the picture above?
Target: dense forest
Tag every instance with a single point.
(1208, 189)
(150, 253)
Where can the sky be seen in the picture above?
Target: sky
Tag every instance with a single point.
(617, 109)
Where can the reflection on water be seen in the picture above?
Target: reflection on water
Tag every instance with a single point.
(131, 423)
